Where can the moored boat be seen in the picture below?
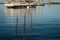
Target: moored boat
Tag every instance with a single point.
(26, 3)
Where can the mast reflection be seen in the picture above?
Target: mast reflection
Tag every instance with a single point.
(29, 17)
(24, 27)
(16, 13)
(30, 26)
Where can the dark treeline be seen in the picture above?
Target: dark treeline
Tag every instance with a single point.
(1, 3)
(54, 2)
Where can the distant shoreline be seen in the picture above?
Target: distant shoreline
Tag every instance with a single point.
(1, 3)
(45, 3)
(52, 3)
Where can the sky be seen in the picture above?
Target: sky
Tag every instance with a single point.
(44, 0)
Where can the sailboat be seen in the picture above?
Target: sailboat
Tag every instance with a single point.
(19, 3)
(23, 3)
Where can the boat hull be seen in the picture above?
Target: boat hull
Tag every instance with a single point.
(14, 5)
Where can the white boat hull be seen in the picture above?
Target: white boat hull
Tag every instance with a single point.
(18, 4)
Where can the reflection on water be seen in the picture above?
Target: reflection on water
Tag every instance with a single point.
(40, 23)
(24, 13)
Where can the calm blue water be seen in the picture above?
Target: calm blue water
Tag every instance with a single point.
(40, 23)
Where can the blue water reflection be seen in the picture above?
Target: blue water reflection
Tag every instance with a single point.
(40, 23)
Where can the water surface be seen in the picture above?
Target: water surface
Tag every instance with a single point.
(40, 23)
